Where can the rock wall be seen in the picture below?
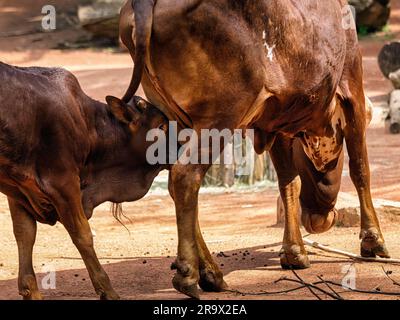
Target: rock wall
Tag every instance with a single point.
(101, 17)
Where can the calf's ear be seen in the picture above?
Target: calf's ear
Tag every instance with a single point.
(119, 109)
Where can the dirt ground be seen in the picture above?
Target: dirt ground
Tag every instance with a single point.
(239, 223)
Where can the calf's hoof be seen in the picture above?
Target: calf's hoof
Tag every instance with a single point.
(294, 257)
(373, 245)
(212, 281)
(316, 223)
(111, 295)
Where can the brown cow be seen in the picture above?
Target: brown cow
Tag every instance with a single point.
(62, 154)
(290, 70)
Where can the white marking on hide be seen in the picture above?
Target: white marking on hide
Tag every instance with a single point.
(270, 50)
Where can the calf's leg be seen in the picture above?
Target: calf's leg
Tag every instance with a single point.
(67, 201)
(293, 254)
(25, 234)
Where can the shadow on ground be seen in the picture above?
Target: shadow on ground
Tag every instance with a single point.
(150, 277)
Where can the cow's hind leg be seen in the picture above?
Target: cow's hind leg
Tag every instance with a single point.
(25, 234)
(211, 277)
(372, 241)
(293, 254)
(67, 200)
(185, 182)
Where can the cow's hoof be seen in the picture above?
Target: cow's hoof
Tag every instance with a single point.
(183, 285)
(294, 258)
(111, 295)
(31, 295)
(185, 280)
(212, 281)
(316, 223)
(372, 245)
(28, 288)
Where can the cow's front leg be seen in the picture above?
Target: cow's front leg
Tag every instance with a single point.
(211, 277)
(66, 196)
(25, 234)
(293, 254)
(185, 182)
(372, 241)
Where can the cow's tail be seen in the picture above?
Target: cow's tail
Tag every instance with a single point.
(143, 10)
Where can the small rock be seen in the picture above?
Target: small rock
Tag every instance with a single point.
(348, 217)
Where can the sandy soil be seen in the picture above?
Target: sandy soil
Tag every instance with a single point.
(241, 224)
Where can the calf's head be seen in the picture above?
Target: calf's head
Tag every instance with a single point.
(140, 116)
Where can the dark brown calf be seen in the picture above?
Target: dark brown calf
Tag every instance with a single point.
(62, 154)
(281, 67)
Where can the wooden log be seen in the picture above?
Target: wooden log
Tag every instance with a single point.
(394, 112)
(395, 78)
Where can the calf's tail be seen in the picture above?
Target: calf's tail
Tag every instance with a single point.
(143, 10)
